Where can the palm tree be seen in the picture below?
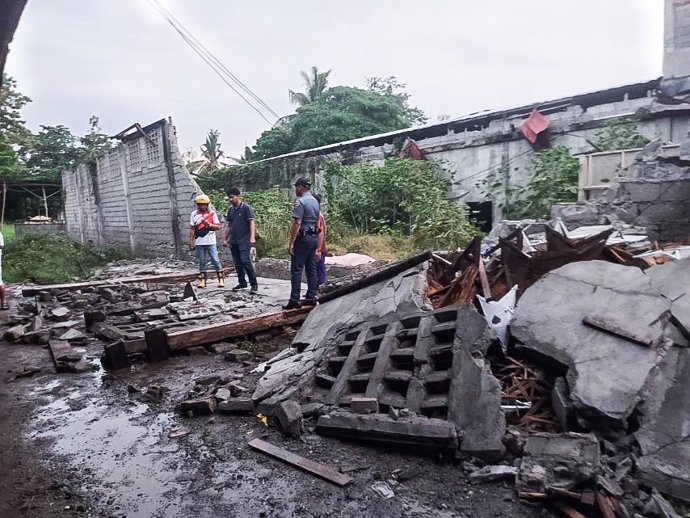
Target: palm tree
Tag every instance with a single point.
(211, 153)
(316, 83)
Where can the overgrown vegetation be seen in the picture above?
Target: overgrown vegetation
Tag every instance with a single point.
(52, 258)
(403, 198)
(554, 179)
(620, 133)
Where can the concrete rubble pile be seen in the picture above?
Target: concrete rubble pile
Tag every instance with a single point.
(583, 401)
(558, 358)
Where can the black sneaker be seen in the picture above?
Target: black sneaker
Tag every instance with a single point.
(254, 290)
(240, 287)
(292, 304)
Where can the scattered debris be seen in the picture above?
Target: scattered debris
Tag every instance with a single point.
(382, 489)
(492, 473)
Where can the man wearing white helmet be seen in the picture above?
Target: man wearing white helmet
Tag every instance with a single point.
(202, 238)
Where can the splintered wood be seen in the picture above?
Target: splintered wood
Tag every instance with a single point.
(521, 382)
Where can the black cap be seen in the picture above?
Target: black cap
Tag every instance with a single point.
(303, 182)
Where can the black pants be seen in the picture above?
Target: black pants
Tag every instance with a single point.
(303, 259)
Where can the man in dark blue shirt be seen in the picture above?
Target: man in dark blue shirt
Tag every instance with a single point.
(240, 234)
(304, 240)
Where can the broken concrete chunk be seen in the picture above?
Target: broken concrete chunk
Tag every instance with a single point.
(59, 313)
(223, 394)
(106, 332)
(673, 281)
(222, 348)
(289, 415)
(238, 355)
(562, 407)
(116, 356)
(91, 317)
(364, 405)
(243, 406)
(313, 409)
(474, 399)
(560, 461)
(62, 352)
(73, 334)
(607, 375)
(202, 406)
(378, 427)
(237, 390)
(492, 473)
(207, 380)
(14, 333)
(665, 422)
(658, 506)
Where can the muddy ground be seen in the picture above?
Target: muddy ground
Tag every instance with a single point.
(91, 445)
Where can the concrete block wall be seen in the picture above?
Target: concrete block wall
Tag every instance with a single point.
(139, 197)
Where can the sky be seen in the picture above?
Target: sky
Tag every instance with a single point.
(121, 61)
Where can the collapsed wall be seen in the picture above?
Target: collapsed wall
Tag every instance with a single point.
(652, 192)
(138, 197)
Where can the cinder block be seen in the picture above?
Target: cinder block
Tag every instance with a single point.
(364, 405)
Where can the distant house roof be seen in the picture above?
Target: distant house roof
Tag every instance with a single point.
(477, 120)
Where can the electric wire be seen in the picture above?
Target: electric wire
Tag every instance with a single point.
(214, 64)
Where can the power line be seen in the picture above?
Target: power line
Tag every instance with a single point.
(213, 62)
(217, 61)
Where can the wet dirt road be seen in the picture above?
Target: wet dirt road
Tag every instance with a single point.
(92, 445)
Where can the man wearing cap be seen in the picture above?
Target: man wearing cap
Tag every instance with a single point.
(202, 238)
(304, 240)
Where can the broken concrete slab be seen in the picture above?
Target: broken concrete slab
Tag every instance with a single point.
(474, 398)
(672, 280)
(62, 352)
(412, 430)
(223, 394)
(606, 374)
(73, 334)
(560, 461)
(15, 333)
(289, 414)
(59, 313)
(664, 434)
(326, 325)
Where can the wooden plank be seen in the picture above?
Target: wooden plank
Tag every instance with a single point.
(605, 505)
(567, 510)
(601, 324)
(206, 334)
(187, 275)
(486, 287)
(315, 468)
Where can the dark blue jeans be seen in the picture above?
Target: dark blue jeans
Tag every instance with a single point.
(243, 263)
(210, 251)
(303, 259)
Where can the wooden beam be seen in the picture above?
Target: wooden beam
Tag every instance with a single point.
(568, 510)
(185, 276)
(382, 275)
(315, 468)
(215, 332)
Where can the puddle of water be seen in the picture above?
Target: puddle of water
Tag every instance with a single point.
(117, 447)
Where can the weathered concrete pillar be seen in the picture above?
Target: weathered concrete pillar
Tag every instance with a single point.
(677, 38)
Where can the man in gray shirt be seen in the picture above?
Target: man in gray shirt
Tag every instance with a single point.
(304, 240)
(240, 234)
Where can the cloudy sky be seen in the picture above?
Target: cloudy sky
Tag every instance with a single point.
(120, 60)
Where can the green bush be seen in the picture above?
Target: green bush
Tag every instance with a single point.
(404, 197)
(52, 258)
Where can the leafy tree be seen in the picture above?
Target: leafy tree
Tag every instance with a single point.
(341, 113)
(620, 133)
(315, 82)
(54, 149)
(94, 142)
(390, 86)
(211, 153)
(14, 136)
(12, 128)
